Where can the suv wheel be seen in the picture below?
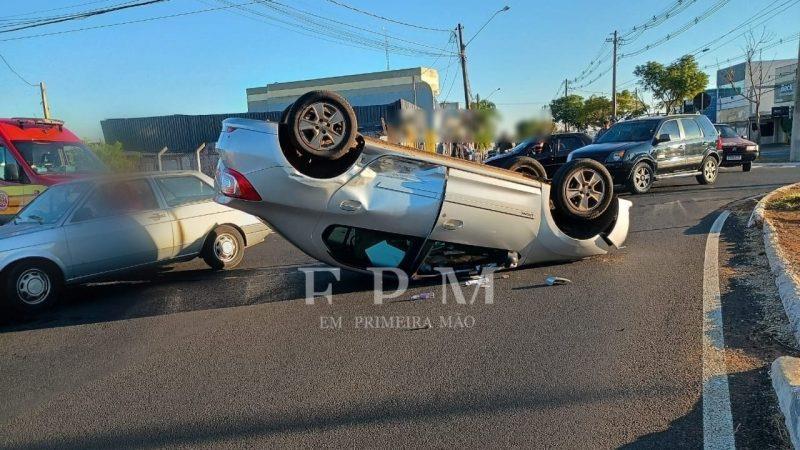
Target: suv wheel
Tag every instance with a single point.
(641, 179)
(708, 171)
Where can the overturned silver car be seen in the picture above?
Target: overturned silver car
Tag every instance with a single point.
(357, 202)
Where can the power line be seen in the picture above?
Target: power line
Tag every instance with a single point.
(388, 19)
(52, 9)
(706, 14)
(82, 15)
(127, 22)
(671, 11)
(5, 61)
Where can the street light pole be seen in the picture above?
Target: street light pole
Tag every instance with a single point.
(462, 53)
(794, 152)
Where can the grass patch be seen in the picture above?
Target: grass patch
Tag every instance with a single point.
(790, 202)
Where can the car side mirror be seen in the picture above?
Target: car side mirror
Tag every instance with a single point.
(11, 173)
(663, 138)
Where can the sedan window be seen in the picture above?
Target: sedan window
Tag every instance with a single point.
(184, 189)
(49, 206)
(117, 198)
(360, 247)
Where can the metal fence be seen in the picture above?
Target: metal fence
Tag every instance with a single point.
(185, 133)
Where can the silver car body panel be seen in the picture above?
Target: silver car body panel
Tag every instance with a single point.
(445, 199)
(94, 247)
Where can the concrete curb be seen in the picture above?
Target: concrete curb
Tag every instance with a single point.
(757, 216)
(785, 375)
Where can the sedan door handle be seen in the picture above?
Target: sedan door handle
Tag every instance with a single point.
(350, 205)
(156, 216)
(452, 224)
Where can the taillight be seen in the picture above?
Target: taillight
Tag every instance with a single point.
(233, 184)
(719, 143)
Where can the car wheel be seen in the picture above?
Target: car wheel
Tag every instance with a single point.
(224, 248)
(747, 166)
(582, 190)
(708, 171)
(641, 179)
(32, 286)
(529, 167)
(323, 125)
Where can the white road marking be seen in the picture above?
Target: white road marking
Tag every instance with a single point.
(717, 418)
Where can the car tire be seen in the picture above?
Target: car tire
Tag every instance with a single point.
(641, 179)
(529, 167)
(708, 171)
(746, 167)
(224, 248)
(322, 125)
(582, 190)
(31, 286)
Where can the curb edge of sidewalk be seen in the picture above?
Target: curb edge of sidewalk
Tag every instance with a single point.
(785, 370)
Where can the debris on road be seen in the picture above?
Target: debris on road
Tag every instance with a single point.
(479, 281)
(423, 296)
(552, 281)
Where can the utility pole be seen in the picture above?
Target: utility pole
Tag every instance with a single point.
(463, 56)
(45, 105)
(566, 91)
(794, 152)
(386, 46)
(615, 41)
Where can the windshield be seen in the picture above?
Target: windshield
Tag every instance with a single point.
(49, 206)
(59, 157)
(521, 145)
(632, 131)
(727, 132)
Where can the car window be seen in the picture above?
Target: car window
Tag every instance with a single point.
(690, 129)
(117, 198)
(727, 132)
(184, 189)
(49, 206)
(568, 144)
(670, 127)
(360, 247)
(9, 168)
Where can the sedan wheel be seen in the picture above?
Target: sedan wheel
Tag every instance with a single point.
(585, 190)
(321, 126)
(224, 248)
(33, 286)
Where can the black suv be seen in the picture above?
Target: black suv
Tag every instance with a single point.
(640, 151)
(540, 156)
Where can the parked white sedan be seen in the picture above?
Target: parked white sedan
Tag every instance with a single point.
(83, 229)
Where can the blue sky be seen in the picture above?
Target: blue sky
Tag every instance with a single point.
(202, 63)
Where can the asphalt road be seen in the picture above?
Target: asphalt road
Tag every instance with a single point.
(184, 356)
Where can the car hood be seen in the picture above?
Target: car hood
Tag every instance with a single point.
(495, 160)
(730, 142)
(13, 230)
(602, 150)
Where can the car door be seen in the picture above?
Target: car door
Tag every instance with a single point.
(190, 201)
(486, 212)
(120, 224)
(695, 144)
(382, 215)
(670, 155)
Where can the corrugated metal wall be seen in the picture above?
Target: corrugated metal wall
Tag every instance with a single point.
(183, 133)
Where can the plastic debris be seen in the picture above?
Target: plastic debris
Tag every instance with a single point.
(553, 281)
(423, 296)
(480, 281)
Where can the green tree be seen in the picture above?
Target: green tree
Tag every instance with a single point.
(114, 157)
(596, 110)
(629, 104)
(484, 123)
(567, 110)
(673, 83)
(534, 127)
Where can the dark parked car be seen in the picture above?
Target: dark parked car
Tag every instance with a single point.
(640, 151)
(736, 150)
(540, 156)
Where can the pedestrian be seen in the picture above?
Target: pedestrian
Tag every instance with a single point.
(602, 131)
